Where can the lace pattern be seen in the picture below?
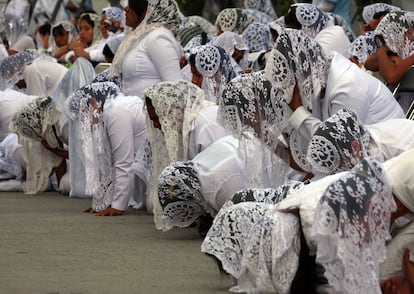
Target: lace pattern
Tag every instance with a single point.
(363, 46)
(12, 67)
(177, 104)
(394, 29)
(233, 20)
(331, 148)
(257, 37)
(113, 13)
(312, 19)
(369, 11)
(33, 123)
(351, 227)
(229, 233)
(86, 105)
(271, 256)
(179, 193)
(264, 6)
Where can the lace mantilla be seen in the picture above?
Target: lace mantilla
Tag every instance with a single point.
(312, 19)
(257, 37)
(351, 227)
(369, 11)
(12, 67)
(179, 192)
(363, 46)
(394, 29)
(233, 20)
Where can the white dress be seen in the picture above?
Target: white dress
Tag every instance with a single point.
(349, 87)
(126, 126)
(154, 59)
(42, 77)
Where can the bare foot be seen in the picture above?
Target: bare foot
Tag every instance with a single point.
(89, 209)
(110, 212)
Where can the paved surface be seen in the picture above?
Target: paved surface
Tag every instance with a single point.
(48, 246)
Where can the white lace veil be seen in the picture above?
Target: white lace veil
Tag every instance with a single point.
(233, 20)
(68, 27)
(15, 28)
(351, 227)
(214, 64)
(12, 67)
(363, 46)
(177, 104)
(369, 11)
(86, 106)
(394, 30)
(330, 148)
(312, 19)
(257, 37)
(34, 122)
(245, 109)
(179, 193)
(160, 13)
(80, 74)
(230, 41)
(264, 6)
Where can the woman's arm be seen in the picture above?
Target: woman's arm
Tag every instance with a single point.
(392, 68)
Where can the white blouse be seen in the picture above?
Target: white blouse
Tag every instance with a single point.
(155, 59)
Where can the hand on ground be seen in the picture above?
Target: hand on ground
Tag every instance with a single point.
(110, 212)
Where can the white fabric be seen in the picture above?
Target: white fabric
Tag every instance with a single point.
(154, 59)
(350, 87)
(10, 102)
(127, 130)
(42, 77)
(333, 38)
(400, 173)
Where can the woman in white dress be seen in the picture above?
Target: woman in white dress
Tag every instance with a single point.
(151, 44)
(181, 124)
(308, 84)
(108, 154)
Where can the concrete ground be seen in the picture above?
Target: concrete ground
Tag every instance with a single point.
(48, 246)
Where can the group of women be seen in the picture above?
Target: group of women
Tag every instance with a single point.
(273, 136)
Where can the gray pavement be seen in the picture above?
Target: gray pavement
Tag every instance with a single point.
(48, 246)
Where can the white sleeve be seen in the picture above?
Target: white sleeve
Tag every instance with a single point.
(120, 131)
(303, 121)
(165, 54)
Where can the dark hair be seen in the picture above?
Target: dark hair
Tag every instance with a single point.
(380, 14)
(58, 30)
(107, 52)
(191, 60)
(44, 28)
(291, 20)
(88, 19)
(139, 7)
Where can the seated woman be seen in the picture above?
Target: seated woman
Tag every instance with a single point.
(181, 124)
(258, 39)
(88, 39)
(63, 34)
(395, 55)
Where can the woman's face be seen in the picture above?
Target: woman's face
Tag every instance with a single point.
(131, 18)
(85, 32)
(61, 37)
(105, 26)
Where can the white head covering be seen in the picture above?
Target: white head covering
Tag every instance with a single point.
(233, 20)
(400, 173)
(351, 228)
(363, 46)
(96, 20)
(393, 30)
(264, 6)
(33, 123)
(177, 104)
(160, 13)
(68, 27)
(12, 67)
(369, 11)
(15, 28)
(312, 19)
(95, 150)
(257, 37)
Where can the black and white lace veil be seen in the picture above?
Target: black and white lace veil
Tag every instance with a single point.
(177, 104)
(80, 74)
(369, 11)
(257, 37)
(34, 122)
(233, 20)
(330, 148)
(86, 107)
(264, 6)
(297, 59)
(363, 46)
(312, 19)
(12, 67)
(351, 227)
(179, 193)
(395, 29)
(247, 112)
